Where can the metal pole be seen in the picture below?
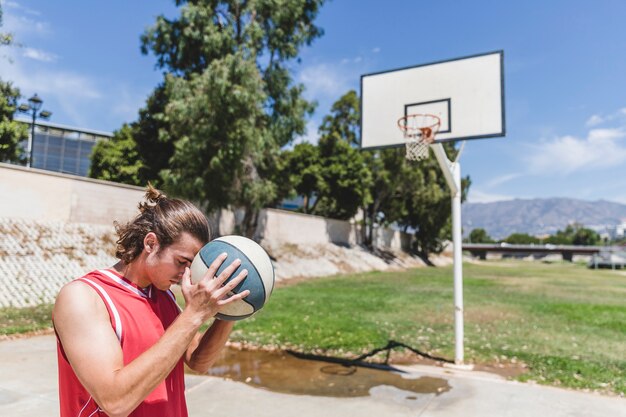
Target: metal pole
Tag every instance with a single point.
(452, 173)
(458, 266)
(31, 140)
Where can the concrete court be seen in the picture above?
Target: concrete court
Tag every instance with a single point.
(28, 388)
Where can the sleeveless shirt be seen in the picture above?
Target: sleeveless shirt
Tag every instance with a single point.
(139, 319)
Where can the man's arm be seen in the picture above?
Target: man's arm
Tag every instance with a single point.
(205, 348)
(92, 348)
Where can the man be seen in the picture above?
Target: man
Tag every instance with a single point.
(121, 337)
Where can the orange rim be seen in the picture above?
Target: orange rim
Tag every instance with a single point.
(410, 131)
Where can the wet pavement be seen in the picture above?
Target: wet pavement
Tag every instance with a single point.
(259, 386)
(284, 373)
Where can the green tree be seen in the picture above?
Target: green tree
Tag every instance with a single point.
(302, 171)
(344, 120)
(521, 239)
(11, 131)
(6, 39)
(387, 195)
(117, 159)
(345, 179)
(480, 235)
(574, 234)
(586, 237)
(426, 207)
(384, 166)
(222, 149)
(220, 158)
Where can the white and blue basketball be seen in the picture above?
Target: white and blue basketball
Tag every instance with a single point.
(260, 279)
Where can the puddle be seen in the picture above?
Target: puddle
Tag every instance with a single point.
(284, 373)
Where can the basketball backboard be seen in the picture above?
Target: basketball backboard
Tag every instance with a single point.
(467, 94)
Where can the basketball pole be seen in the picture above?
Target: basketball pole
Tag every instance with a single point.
(452, 173)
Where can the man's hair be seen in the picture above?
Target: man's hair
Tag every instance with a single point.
(167, 218)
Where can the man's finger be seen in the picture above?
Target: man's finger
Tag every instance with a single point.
(233, 298)
(230, 285)
(215, 265)
(186, 279)
(227, 272)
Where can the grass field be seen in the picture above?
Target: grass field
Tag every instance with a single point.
(564, 322)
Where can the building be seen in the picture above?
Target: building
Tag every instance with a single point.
(63, 149)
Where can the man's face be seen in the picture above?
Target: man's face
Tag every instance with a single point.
(166, 265)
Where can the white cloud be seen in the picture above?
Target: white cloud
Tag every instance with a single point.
(601, 149)
(48, 81)
(376, 50)
(16, 6)
(599, 119)
(38, 55)
(24, 25)
(502, 179)
(323, 80)
(478, 196)
(594, 120)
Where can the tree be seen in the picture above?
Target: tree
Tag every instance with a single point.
(383, 166)
(585, 237)
(6, 39)
(574, 234)
(302, 171)
(344, 120)
(223, 148)
(11, 131)
(117, 159)
(480, 235)
(426, 207)
(345, 179)
(415, 196)
(387, 195)
(334, 172)
(521, 239)
(219, 158)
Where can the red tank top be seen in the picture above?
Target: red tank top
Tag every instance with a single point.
(139, 319)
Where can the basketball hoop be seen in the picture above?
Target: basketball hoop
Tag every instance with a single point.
(419, 131)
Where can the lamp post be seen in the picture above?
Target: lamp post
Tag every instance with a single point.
(33, 107)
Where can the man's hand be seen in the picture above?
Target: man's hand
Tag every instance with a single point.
(210, 294)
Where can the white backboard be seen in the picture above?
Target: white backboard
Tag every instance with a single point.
(466, 93)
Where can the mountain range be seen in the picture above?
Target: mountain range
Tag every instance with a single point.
(540, 216)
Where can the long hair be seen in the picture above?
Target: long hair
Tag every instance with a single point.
(166, 217)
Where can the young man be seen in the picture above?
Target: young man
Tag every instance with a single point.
(121, 337)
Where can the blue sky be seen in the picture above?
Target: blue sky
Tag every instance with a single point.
(565, 83)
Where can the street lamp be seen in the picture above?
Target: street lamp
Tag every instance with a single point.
(33, 107)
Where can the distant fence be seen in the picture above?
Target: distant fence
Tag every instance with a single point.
(481, 250)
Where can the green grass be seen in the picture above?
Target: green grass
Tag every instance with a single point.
(565, 322)
(25, 320)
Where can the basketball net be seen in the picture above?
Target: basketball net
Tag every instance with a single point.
(419, 131)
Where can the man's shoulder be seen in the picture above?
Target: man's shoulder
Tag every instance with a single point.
(79, 292)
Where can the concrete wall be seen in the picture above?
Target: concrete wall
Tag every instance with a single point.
(280, 226)
(33, 194)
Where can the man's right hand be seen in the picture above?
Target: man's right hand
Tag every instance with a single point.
(210, 294)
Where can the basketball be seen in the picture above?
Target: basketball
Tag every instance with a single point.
(260, 279)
